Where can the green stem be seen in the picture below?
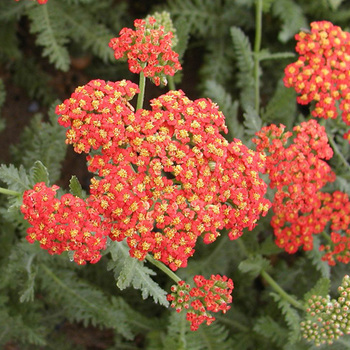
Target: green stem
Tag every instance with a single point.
(272, 282)
(10, 192)
(141, 95)
(171, 83)
(257, 45)
(164, 268)
(280, 291)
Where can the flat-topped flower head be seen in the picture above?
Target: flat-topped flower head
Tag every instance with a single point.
(147, 49)
(321, 73)
(65, 224)
(298, 171)
(208, 295)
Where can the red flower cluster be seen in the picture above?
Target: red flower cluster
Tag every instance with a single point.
(147, 49)
(321, 73)
(166, 175)
(212, 295)
(298, 172)
(336, 208)
(96, 114)
(65, 224)
(41, 2)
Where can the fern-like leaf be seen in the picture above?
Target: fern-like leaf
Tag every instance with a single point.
(96, 40)
(75, 187)
(252, 122)
(39, 173)
(321, 288)
(281, 107)
(52, 33)
(83, 302)
(315, 256)
(16, 179)
(254, 265)
(266, 327)
(292, 17)
(132, 272)
(291, 317)
(245, 65)
(44, 141)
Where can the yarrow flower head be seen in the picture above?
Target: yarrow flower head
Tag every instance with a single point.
(327, 319)
(322, 72)
(212, 295)
(148, 49)
(65, 224)
(165, 176)
(298, 172)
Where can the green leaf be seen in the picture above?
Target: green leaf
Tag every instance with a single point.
(39, 173)
(269, 247)
(245, 64)
(334, 4)
(52, 33)
(252, 121)
(44, 141)
(291, 317)
(83, 302)
(267, 55)
(266, 327)
(322, 288)
(282, 106)
(132, 272)
(292, 17)
(75, 187)
(16, 179)
(316, 259)
(254, 265)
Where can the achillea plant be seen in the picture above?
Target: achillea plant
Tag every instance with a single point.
(170, 188)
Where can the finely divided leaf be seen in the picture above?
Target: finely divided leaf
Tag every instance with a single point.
(254, 265)
(52, 33)
(252, 121)
(291, 317)
(132, 272)
(292, 17)
(245, 65)
(75, 187)
(39, 173)
(321, 288)
(16, 179)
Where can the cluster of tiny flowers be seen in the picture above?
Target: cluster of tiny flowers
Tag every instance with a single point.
(335, 208)
(212, 295)
(322, 72)
(327, 319)
(65, 224)
(165, 176)
(41, 2)
(298, 172)
(147, 49)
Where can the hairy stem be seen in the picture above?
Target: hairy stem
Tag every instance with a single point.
(164, 268)
(276, 287)
(171, 83)
(10, 192)
(141, 95)
(257, 45)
